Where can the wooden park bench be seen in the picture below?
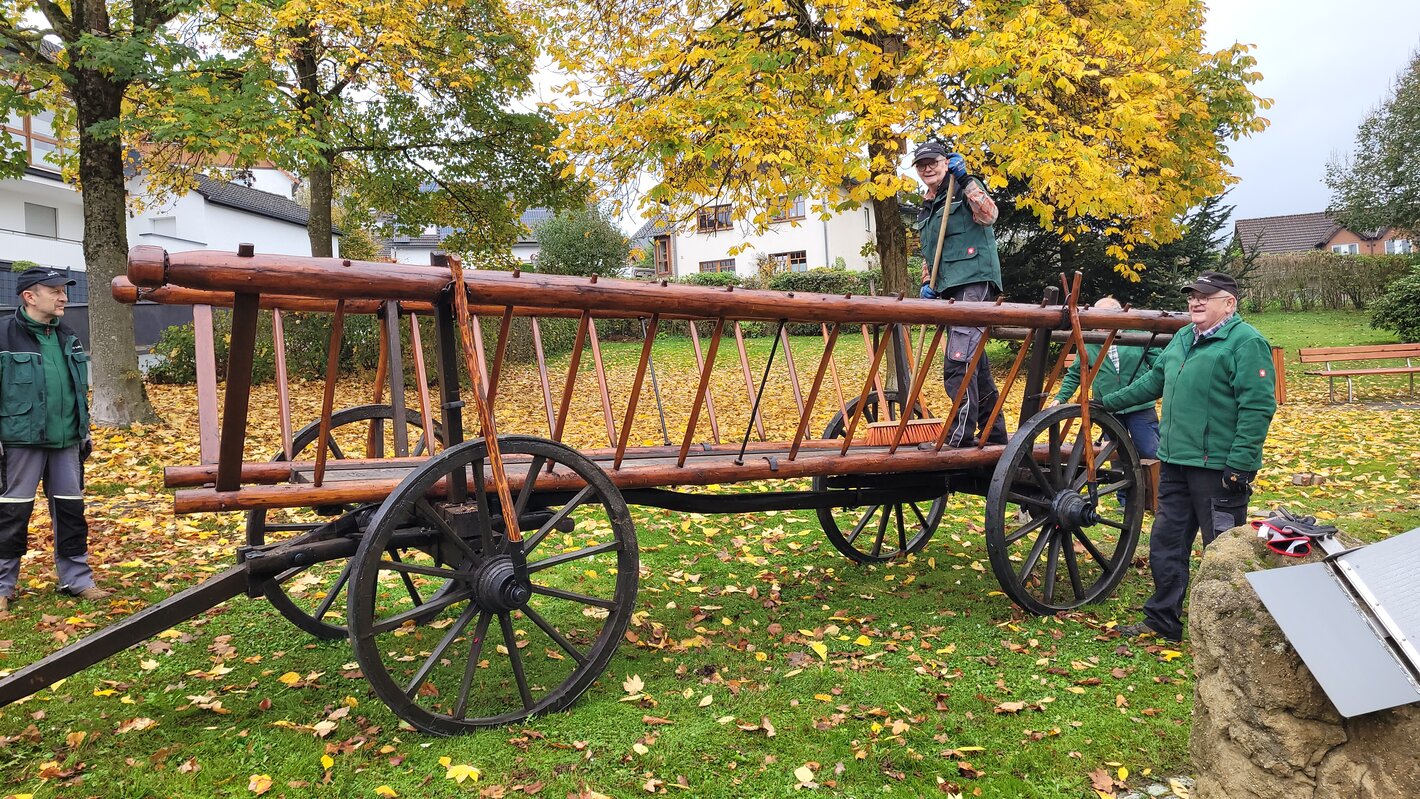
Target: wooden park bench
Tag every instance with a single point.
(1366, 352)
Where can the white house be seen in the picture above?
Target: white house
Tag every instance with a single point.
(799, 240)
(418, 249)
(41, 216)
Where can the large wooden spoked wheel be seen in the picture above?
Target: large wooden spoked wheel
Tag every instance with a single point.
(1052, 545)
(313, 598)
(876, 532)
(496, 644)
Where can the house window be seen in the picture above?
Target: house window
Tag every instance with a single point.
(36, 136)
(41, 220)
(712, 218)
(796, 261)
(1399, 247)
(165, 226)
(661, 253)
(722, 265)
(1346, 249)
(789, 209)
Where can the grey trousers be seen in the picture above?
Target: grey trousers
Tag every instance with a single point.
(980, 397)
(61, 470)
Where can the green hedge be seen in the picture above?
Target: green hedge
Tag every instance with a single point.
(1311, 280)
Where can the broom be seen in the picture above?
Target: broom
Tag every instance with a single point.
(918, 431)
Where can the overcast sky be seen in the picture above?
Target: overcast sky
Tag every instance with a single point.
(1326, 64)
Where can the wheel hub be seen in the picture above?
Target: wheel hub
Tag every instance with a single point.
(1074, 510)
(497, 587)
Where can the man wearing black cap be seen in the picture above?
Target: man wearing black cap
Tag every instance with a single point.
(44, 427)
(1218, 387)
(966, 269)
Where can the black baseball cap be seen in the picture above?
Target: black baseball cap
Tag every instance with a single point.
(931, 149)
(1212, 283)
(43, 276)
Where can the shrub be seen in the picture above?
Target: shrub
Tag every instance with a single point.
(712, 279)
(1399, 308)
(1309, 280)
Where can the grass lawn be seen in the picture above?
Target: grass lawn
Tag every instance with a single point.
(763, 662)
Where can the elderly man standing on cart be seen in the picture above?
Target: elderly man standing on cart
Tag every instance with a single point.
(959, 262)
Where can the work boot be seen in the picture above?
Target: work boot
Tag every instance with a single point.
(4, 604)
(93, 593)
(1142, 630)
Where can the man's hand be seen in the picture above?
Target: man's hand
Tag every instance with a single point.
(927, 293)
(1096, 406)
(1237, 481)
(956, 165)
(86, 448)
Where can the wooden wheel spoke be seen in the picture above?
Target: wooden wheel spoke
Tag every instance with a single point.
(1104, 562)
(916, 511)
(329, 600)
(334, 448)
(567, 557)
(1052, 566)
(408, 581)
(475, 648)
(515, 658)
(1033, 557)
(901, 529)
(531, 542)
(1027, 528)
(1112, 488)
(529, 484)
(1055, 444)
(573, 596)
(1041, 478)
(1072, 568)
(1106, 450)
(1073, 467)
(455, 630)
(862, 523)
(431, 571)
(1112, 523)
(1026, 499)
(877, 550)
(555, 634)
(424, 611)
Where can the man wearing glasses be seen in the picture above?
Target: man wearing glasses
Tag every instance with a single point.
(1217, 384)
(967, 270)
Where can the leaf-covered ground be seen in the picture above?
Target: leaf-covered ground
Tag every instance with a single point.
(760, 662)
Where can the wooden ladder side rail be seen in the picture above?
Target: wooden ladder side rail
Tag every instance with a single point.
(804, 416)
(542, 377)
(205, 352)
(877, 383)
(749, 378)
(332, 369)
(421, 375)
(374, 437)
(283, 385)
(837, 385)
(709, 392)
(240, 352)
(789, 364)
(647, 342)
(390, 330)
(601, 384)
(573, 364)
(499, 353)
(700, 392)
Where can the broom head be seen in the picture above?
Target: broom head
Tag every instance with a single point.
(919, 431)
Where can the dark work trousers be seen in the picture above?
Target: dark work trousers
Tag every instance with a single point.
(62, 473)
(980, 397)
(1190, 498)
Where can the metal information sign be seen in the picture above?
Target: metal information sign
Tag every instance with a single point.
(1355, 620)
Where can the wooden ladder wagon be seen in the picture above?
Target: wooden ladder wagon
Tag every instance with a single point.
(489, 578)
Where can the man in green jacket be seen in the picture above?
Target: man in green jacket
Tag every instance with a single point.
(1218, 388)
(44, 427)
(968, 270)
(1121, 365)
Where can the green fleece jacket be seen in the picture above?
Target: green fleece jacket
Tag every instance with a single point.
(1219, 397)
(1133, 362)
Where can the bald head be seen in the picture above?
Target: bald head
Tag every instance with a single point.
(1109, 304)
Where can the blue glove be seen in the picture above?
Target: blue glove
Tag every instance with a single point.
(957, 166)
(927, 293)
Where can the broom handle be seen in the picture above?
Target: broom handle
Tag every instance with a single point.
(942, 234)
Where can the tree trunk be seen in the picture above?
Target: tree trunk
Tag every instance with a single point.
(119, 396)
(318, 224)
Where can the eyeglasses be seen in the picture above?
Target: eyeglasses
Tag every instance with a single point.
(930, 166)
(1202, 299)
